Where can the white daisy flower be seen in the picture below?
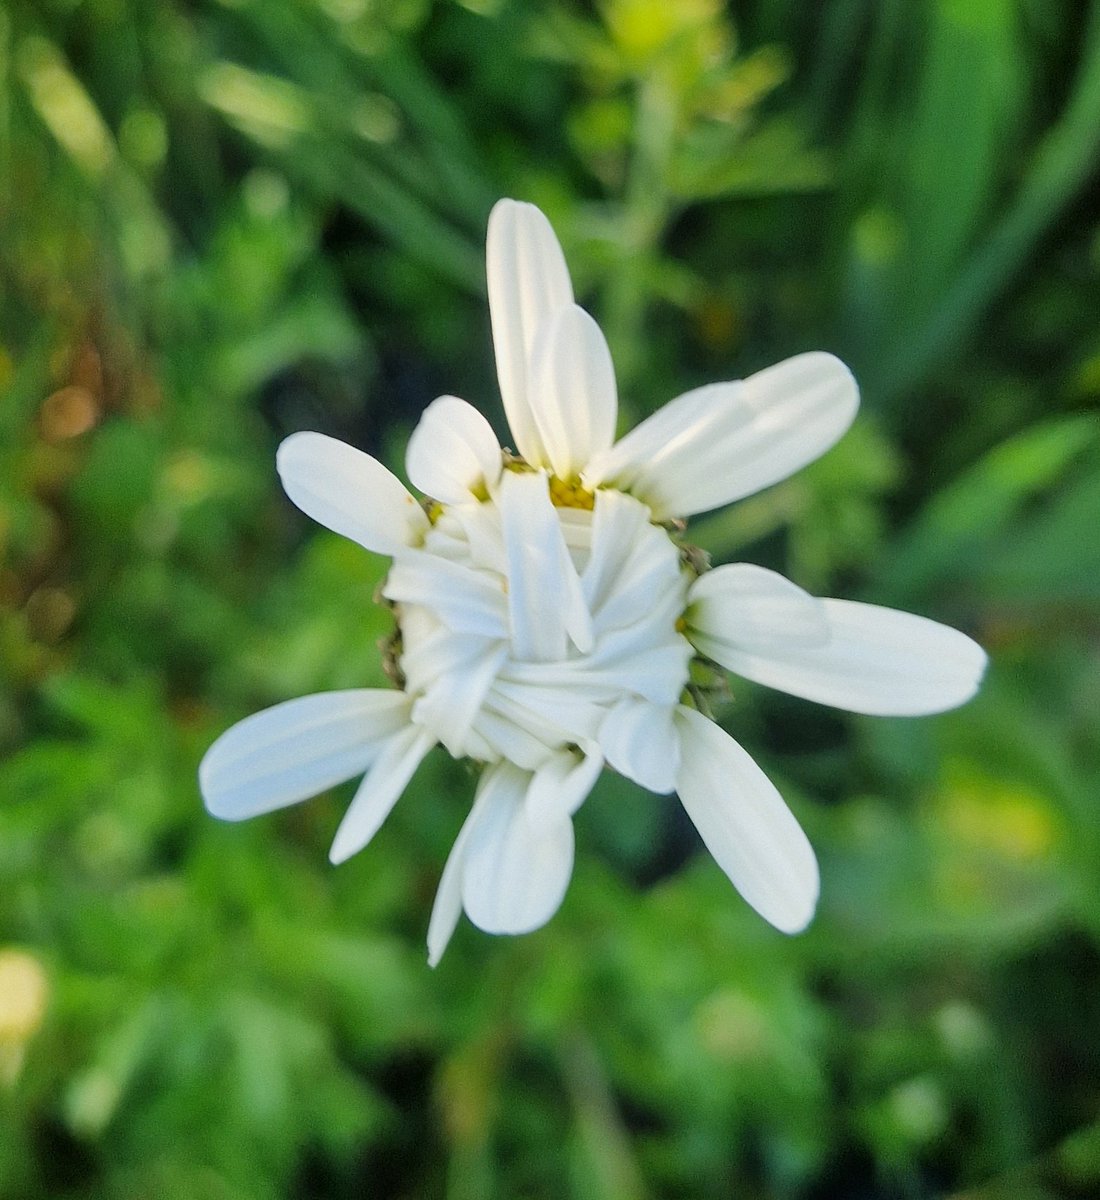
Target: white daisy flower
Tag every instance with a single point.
(548, 613)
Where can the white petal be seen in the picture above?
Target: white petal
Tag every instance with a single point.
(448, 897)
(297, 749)
(641, 741)
(728, 440)
(453, 454)
(349, 492)
(745, 824)
(745, 607)
(545, 604)
(514, 877)
(528, 283)
(574, 400)
(561, 786)
(380, 790)
(464, 599)
(877, 660)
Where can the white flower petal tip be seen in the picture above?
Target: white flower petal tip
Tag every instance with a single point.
(453, 454)
(574, 402)
(724, 441)
(746, 825)
(876, 661)
(297, 749)
(349, 492)
(528, 284)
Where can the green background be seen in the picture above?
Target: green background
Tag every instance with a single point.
(221, 222)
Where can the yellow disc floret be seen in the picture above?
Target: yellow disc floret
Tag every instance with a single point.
(571, 493)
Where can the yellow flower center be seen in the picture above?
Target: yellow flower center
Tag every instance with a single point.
(571, 493)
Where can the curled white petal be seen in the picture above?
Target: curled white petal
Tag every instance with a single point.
(631, 660)
(349, 492)
(465, 600)
(745, 824)
(563, 716)
(545, 603)
(528, 284)
(573, 401)
(619, 523)
(480, 525)
(633, 574)
(496, 727)
(727, 440)
(749, 608)
(514, 875)
(876, 660)
(297, 749)
(453, 454)
(380, 790)
(464, 671)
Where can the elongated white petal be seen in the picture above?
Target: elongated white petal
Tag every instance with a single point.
(876, 660)
(641, 741)
(728, 440)
(453, 454)
(380, 790)
(742, 607)
(514, 877)
(560, 787)
(545, 604)
(528, 284)
(297, 749)
(465, 600)
(349, 492)
(621, 664)
(745, 824)
(574, 402)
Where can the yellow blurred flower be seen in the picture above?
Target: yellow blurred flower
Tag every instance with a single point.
(24, 991)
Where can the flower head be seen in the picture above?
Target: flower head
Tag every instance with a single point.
(548, 613)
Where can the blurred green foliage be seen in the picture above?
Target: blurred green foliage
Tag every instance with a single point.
(224, 220)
